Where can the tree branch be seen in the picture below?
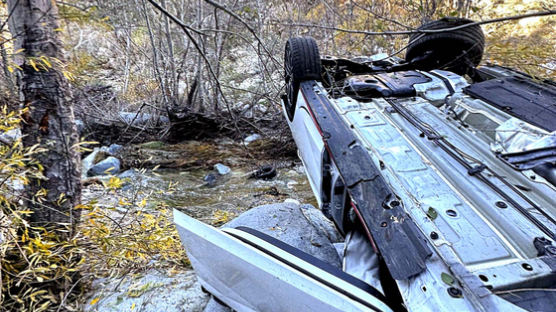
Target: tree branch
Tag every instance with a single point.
(186, 29)
(422, 31)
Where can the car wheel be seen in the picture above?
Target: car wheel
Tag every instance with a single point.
(458, 50)
(301, 62)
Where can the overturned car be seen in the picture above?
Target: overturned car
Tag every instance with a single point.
(441, 176)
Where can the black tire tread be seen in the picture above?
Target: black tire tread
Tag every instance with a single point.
(470, 38)
(305, 59)
(305, 62)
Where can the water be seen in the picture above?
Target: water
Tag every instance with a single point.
(233, 193)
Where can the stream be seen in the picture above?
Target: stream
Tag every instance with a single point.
(186, 189)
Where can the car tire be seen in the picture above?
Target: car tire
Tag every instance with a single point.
(301, 63)
(458, 50)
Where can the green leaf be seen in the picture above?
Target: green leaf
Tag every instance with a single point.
(447, 278)
(432, 214)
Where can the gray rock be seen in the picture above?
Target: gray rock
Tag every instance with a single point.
(132, 179)
(151, 292)
(129, 174)
(88, 162)
(109, 165)
(324, 225)
(252, 138)
(301, 226)
(114, 149)
(292, 201)
(210, 180)
(215, 306)
(222, 169)
(11, 135)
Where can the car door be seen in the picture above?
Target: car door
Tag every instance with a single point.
(250, 271)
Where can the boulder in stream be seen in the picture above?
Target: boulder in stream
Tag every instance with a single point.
(110, 165)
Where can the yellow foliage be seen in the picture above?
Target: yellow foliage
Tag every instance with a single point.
(220, 217)
(40, 269)
(114, 183)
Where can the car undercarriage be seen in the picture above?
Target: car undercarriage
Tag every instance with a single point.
(440, 175)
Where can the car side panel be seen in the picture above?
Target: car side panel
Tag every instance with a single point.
(309, 143)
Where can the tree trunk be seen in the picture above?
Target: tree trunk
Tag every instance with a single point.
(49, 121)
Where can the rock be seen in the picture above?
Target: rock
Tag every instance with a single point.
(114, 149)
(129, 174)
(88, 162)
(320, 222)
(151, 292)
(215, 306)
(252, 138)
(222, 169)
(301, 226)
(80, 126)
(110, 165)
(340, 248)
(291, 184)
(132, 178)
(210, 180)
(292, 201)
(11, 135)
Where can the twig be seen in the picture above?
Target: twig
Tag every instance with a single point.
(251, 30)
(186, 29)
(68, 293)
(417, 31)
(355, 4)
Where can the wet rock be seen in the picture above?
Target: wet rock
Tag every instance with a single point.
(301, 226)
(222, 169)
(210, 179)
(110, 165)
(252, 138)
(151, 292)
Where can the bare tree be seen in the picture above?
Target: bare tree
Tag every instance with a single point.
(49, 121)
